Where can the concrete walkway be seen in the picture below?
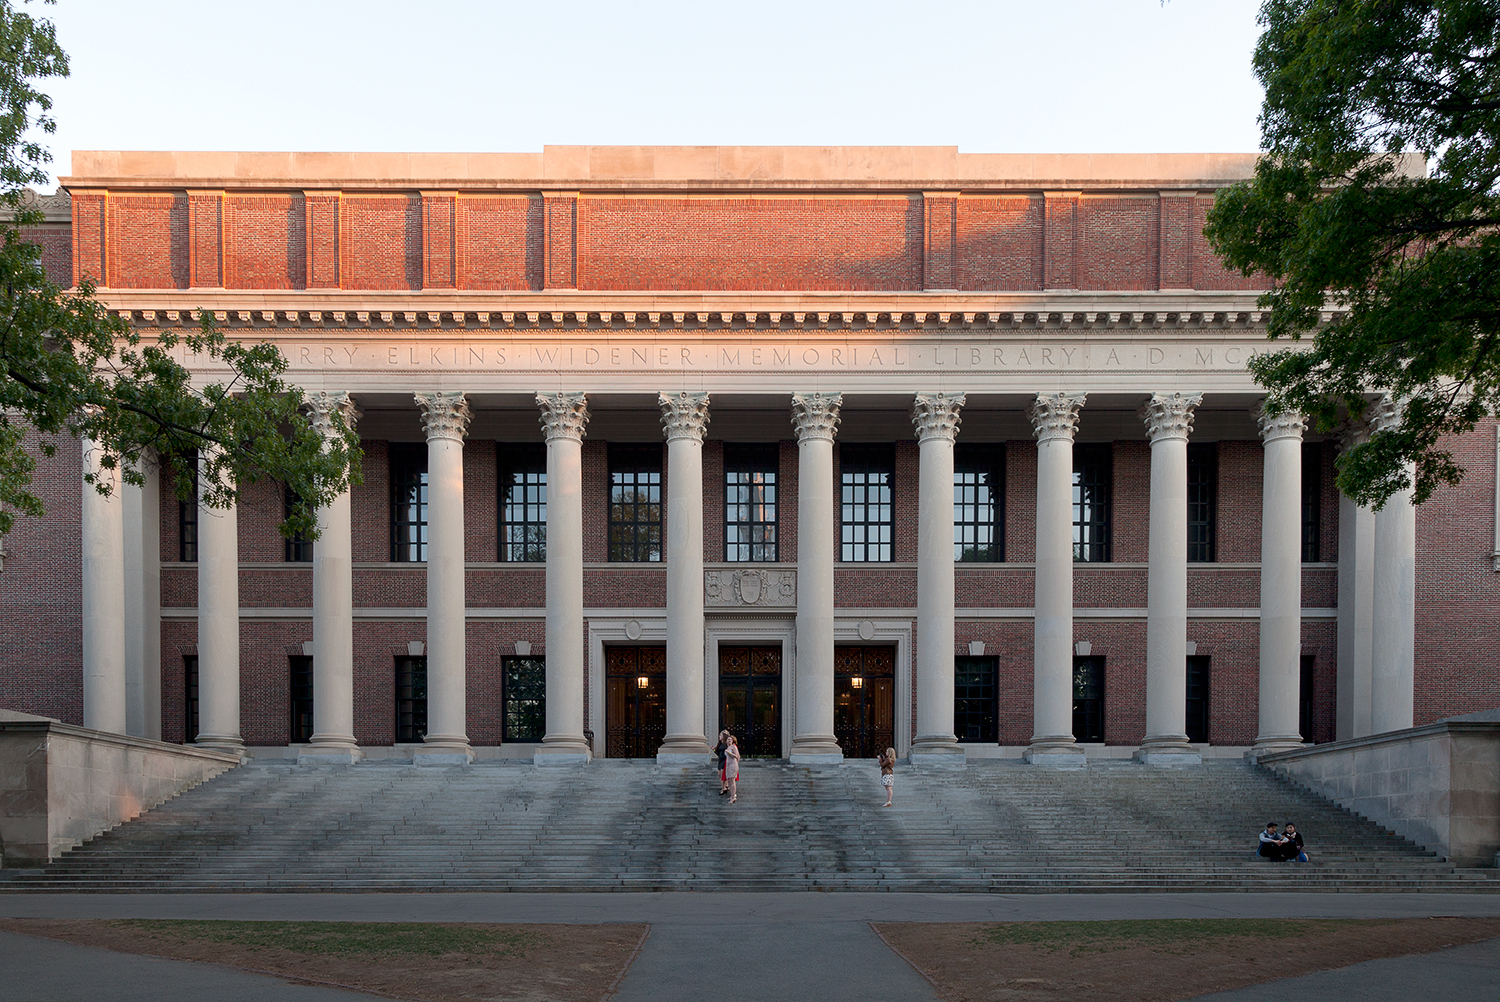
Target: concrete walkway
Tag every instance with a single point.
(769, 947)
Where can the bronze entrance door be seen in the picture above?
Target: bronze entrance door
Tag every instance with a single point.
(750, 698)
(864, 700)
(635, 713)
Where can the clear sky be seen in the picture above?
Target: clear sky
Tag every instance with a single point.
(1003, 76)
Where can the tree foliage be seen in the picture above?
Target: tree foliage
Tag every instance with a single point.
(68, 367)
(1340, 216)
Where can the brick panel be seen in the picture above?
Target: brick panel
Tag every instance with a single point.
(382, 242)
(1130, 518)
(205, 239)
(1118, 243)
(148, 241)
(516, 586)
(501, 243)
(370, 505)
(999, 244)
(1060, 242)
(1020, 501)
(626, 586)
(481, 502)
(1176, 236)
(321, 214)
(871, 586)
(855, 244)
(994, 586)
(88, 236)
(438, 241)
(56, 243)
(1209, 272)
(561, 222)
(1241, 466)
(940, 218)
(264, 242)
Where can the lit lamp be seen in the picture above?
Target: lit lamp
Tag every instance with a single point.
(641, 683)
(856, 682)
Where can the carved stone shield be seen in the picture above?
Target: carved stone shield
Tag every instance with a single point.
(749, 587)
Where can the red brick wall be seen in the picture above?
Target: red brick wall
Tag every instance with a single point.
(148, 241)
(56, 243)
(501, 241)
(1118, 243)
(381, 238)
(265, 242)
(1000, 243)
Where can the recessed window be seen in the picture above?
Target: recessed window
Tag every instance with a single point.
(1088, 699)
(978, 503)
(750, 502)
(299, 549)
(523, 502)
(408, 503)
(974, 694)
(1305, 690)
(866, 514)
(524, 687)
(1202, 502)
(635, 503)
(189, 698)
(1312, 503)
(300, 669)
(1093, 493)
(411, 699)
(1197, 698)
(187, 516)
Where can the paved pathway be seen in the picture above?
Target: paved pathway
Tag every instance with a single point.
(771, 947)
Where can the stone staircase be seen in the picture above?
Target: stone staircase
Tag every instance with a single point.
(995, 826)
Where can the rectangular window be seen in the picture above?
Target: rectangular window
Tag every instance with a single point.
(978, 503)
(1093, 493)
(1312, 502)
(187, 518)
(411, 699)
(301, 689)
(299, 549)
(189, 698)
(525, 698)
(750, 502)
(1202, 502)
(408, 503)
(1088, 699)
(1197, 698)
(974, 695)
(635, 503)
(866, 518)
(523, 503)
(1305, 697)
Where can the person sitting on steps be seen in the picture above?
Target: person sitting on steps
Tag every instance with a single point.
(1294, 850)
(1272, 844)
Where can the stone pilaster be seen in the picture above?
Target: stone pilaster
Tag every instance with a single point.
(935, 417)
(1054, 416)
(684, 419)
(1169, 421)
(333, 605)
(218, 621)
(1392, 667)
(815, 416)
(445, 418)
(103, 524)
(564, 417)
(1280, 581)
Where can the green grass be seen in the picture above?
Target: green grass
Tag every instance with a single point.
(1166, 935)
(345, 939)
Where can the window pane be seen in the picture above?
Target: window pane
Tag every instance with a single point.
(635, 503)
(523, 503)
(1312, 504)
(978, 502)
(866, 473)
(408, 503)
(750, 502)
(974, 698)
(1093, 476)
(525, 699)
(1202, 502)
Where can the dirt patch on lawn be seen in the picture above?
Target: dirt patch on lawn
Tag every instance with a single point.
(431, 962)
(1153, 960)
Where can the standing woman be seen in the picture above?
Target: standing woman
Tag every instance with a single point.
(888, 774)
(719, 751)
(732, 767)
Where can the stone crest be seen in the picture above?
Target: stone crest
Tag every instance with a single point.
(760, 588)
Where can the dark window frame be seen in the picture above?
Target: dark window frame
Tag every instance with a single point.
(1089, 711)
(411, 708)
(867, 475)
(187, 519)
(1093, 503)
(523, 701)
(751, 474)
(1202, 502)
(299, 549)
(523, 522)
(409, 503)
(637, 504)
(190, 718)
(979, 468)
(1307, 679)
(976, 702)
(1312, 502)
(300, 697)
(1199, 696)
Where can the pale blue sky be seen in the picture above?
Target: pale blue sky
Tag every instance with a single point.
(997, 77)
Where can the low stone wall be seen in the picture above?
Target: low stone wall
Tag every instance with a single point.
(1438, 785)
(61, 784)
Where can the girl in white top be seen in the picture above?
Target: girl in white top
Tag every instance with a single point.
(732, 768)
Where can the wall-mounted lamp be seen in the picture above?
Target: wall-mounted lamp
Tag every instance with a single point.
(856, 682)
(642, 682)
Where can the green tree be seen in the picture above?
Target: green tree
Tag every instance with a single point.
(1341, 216)
(67, 367)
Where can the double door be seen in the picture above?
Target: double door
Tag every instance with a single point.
(635, 682)
(750, 698)
(864, 700)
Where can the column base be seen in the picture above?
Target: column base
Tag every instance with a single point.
(816, 749)
(1270, 744)
(231, 743)
(569, 749)
(684, 750)
(1055, 753)
(942, 752)
(329, 751)
(1167, 751)
(443, 749)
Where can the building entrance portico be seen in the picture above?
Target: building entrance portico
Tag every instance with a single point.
(750, 698)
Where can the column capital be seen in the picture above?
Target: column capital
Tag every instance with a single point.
(1055, 415)
(323, 405)
(1169, 415)
(564, 415)
(1274, 427)
(445, 415)
(683, 415)
(1386, 414)
(816, 415)
(936, 415)
(1353, 432)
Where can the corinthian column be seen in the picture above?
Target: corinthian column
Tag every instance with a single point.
(445, 418)
(564, 417)
(103, 521)
(816, 418)
(1356, 605)
(1055, 418)
(1280, 581)
(1392, 666)
(1169, 420)
(684, 418)
(333, 605)
(935, 417)
(218, 620)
